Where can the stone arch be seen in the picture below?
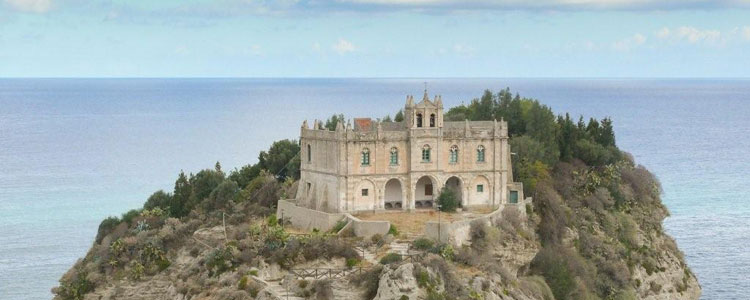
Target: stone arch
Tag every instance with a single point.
(455, 184)
(309, 154)
(364, 196)
(419, 120)
(480, 191)
(393, 195)
(425, 192)
(432, 120)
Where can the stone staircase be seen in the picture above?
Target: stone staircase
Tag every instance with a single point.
(278, 290)
(400, 247)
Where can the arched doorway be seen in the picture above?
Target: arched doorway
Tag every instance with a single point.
(393, 194)
(454, 184)
(424, 195)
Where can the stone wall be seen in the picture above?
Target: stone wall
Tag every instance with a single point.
(305, 218)
(367, 229)
(458, 233)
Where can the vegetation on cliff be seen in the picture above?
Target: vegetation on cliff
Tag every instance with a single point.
(594, 231)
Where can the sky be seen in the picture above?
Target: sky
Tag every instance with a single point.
(375, 38)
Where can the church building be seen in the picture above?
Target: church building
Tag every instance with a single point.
(373, 166)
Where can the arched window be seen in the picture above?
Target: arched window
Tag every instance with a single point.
(454, 154)
(365, 157)
(419, 120)
(309, 154)
(432, 120)
(480, 153)
(426, 153)
(394, 156)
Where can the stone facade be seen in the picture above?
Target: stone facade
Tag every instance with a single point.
(371, 166)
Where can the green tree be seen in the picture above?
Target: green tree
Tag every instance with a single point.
(447, 200)
(158, 199)
(245, 175)
(333, 121)
(178, 206)
(399, 116)
(282, 159)
(203, 183)
(221, 195)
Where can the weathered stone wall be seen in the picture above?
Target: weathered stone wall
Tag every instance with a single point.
(458, 232)
(305, 218)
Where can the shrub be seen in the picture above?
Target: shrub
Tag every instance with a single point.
(393, 230)
(339, 225)
(221, 195)
(351, 262)
(219, 261)
(423, 244)
(158, 199)
(243, 283)
(390, 258)
(129, 216)
(105, 227)
(77, 287)
(377, 239)
(447, 200)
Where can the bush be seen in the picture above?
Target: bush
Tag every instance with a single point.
(423, 244)
(105, 227)
(339, 225)
(243, 283)
(377, 239)
(351, 262)
(221, 195)
(129, 216)
(158, 199)
(390, 258)
(77, 287)
(393, 230)
(447, 200)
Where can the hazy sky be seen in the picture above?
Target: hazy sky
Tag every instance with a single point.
(375, 38)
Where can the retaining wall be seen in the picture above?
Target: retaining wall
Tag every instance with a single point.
(305, 218)
(458, 232)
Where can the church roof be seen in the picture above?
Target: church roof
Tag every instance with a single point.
(362, 124)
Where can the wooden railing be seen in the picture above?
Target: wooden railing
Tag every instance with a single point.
(325, 273)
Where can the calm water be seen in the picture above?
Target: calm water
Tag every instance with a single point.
(75, 151)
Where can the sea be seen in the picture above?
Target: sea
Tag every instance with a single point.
(74, 151)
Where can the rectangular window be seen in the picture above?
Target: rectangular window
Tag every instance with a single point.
(513, 197)
(428, 190)
(365, 192)
(394, 158)
(480, 156)
(480, 188)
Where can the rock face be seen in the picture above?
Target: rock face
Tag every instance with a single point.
(398, 282)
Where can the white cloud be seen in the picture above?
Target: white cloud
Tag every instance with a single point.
(343, 46)
(695, 35)
(629, 43)
(32, 6)
(463, 50)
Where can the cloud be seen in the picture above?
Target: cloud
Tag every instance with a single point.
(343, 46)
(629, 43)
(746, 32)
(693, 35)
(31, 6)
(463, 50)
